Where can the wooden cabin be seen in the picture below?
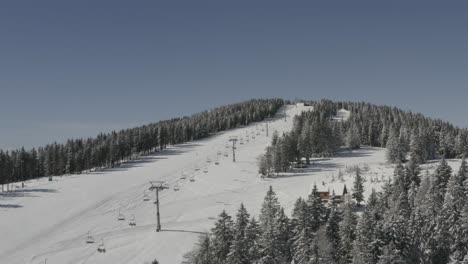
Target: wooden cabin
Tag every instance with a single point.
(325, 196)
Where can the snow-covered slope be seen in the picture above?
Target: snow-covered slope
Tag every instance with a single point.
(50, 220)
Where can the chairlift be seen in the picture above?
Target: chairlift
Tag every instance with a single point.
(208, 160)
(132, 221)
(146, 197)
(176, 187)
(89, 239)
(192, 179)
(121, 217)
(101, 248)
(183, 176)
(205, 170)
(196, 169)
(216, 162)
(227, 146)
(226, 154)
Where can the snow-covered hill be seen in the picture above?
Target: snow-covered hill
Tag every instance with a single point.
(50, 220)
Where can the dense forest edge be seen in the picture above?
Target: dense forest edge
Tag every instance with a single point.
(108, 150)
(406, 135)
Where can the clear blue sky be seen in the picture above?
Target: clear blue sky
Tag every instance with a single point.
(74, 68)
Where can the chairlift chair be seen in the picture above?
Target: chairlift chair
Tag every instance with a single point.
(101, 248)
(132, 221)
(183, 176)
(89, 239)
(192, 179)
(226, 154)
(146, 197)
(176, 187)
(121, 217)
(205, 170)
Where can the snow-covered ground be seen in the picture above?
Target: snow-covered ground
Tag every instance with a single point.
(50, 220)
(342, 115)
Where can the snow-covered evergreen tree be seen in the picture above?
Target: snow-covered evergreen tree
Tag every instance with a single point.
(333, 233)
(353, 138)
(347, 232)
(358, 187)
(239, 250)
(223, 236)
(395, 151)
(391, 255)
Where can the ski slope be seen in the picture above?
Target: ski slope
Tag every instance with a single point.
(50, 220)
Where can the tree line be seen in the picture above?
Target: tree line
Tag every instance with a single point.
(111, 149)
(415, 219)
(318, 134)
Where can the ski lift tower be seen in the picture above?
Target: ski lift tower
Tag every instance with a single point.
(158, 186)
(233, 140)
(268, 119)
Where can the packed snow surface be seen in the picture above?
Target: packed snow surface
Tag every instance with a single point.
(51, 220)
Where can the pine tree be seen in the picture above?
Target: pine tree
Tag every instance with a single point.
(239, 250)
(302, 236)
(453, 212)
(333, 233)
(365, 240)
(283, 236)
(268, 244)
(353, 138)
(416, 149)
(348, 235)
(202, 254)
(304, 142)
(263, 166)
(222, 237)
(391, 255)
(436, 193)
(413, 170)
(316, 210)
(252, 235)
(395, 150)
(358, 187)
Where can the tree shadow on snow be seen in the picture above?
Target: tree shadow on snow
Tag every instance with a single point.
(353, 154)
(184, 231)
(26, 193)
(150, 158)
(10, 206)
